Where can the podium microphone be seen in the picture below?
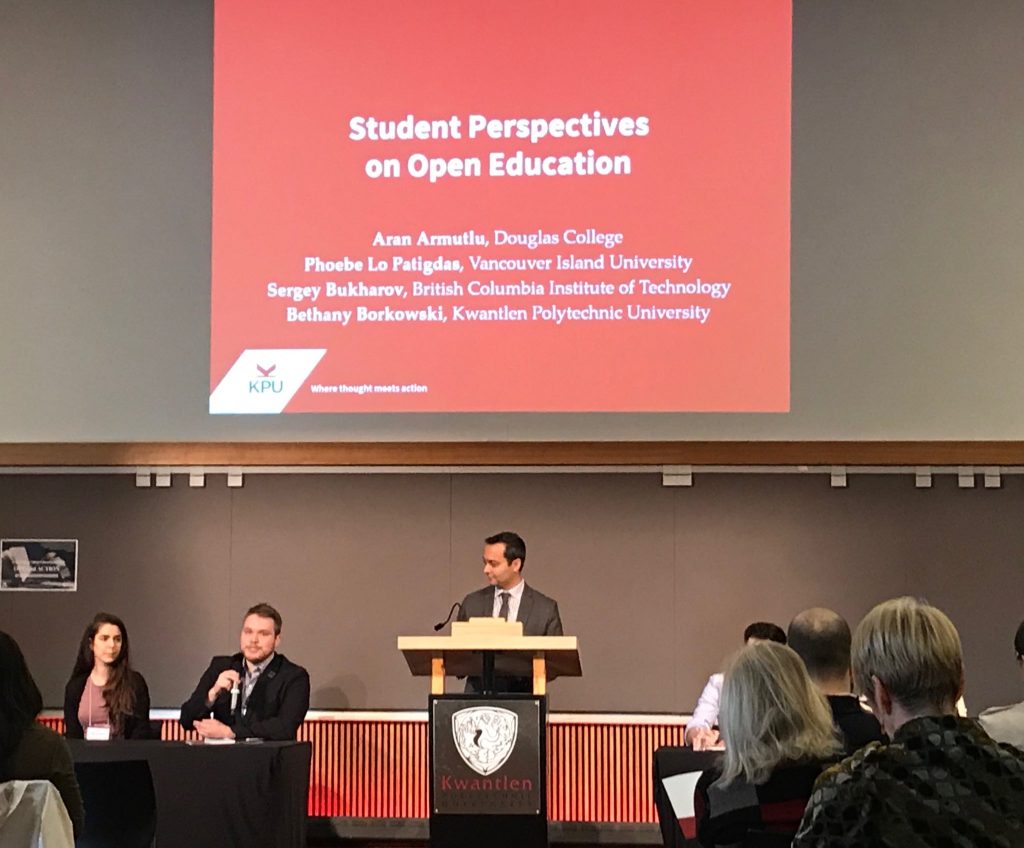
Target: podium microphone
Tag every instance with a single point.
(451, 612)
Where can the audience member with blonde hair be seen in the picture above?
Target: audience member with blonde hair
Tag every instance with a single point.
(701, 732)
(778, 736)
(942, 780)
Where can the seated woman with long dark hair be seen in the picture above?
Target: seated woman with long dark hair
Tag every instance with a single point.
(28, 750)
(778, 735)
(105, 693)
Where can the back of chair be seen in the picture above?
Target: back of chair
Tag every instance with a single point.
(32, 814)
(120, 804)
(766, 839)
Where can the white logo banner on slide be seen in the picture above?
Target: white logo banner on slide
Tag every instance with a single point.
(485, 737)
(263, 381)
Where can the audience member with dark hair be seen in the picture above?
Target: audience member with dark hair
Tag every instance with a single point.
(763, 631)
(700, 731)
(821, 638)
(1006, 724)
(942, 780)
(778, 736)
(28, 750)
(254, 694)
(105, 693)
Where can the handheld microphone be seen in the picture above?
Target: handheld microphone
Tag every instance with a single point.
(238, 664)
(451, 612)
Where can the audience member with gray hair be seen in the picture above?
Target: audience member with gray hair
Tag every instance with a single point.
(942, 780)
(821, 638)
(1006, 724)
(700, 729)
(778, 736)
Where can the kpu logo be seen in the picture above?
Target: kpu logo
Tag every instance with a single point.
(266, 382)
(485, 737)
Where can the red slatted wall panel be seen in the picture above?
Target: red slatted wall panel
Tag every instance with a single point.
(378, 768)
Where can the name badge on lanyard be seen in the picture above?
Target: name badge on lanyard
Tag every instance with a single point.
(97, 733)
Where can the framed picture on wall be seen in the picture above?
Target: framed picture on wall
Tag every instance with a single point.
(38, 565)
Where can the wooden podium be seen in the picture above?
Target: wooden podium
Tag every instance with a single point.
(488, 751)
(481, 645)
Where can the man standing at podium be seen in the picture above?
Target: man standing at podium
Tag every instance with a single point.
(509, 597)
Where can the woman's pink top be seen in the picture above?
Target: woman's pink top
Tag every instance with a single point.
(92, 709)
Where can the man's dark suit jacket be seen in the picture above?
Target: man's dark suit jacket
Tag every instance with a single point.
(136, 725)
(857, 726)
(537, 612)
(275, 709)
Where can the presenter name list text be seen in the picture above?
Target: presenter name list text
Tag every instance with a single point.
(604, 296)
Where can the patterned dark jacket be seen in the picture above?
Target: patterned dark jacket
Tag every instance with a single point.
(942, 781)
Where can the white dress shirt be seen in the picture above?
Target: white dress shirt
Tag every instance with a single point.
(705, 714)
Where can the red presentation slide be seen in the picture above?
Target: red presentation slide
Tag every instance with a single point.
(459, 206)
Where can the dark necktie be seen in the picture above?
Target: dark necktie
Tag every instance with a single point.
(503, 612)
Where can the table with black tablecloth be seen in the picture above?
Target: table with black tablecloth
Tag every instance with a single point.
(669, 762)
(251, 795)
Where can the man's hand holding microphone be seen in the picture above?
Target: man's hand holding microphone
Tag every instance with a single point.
(228, 680)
